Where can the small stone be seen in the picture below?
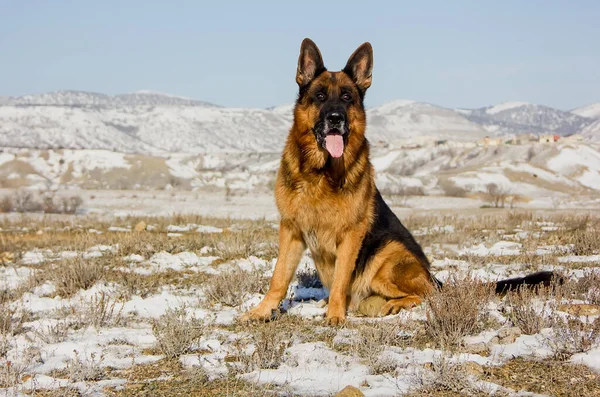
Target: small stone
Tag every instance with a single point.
(580, 309)
(473, 368)
(509, 332)
(350, 391)
(508, 340)
(140, 227)
(371, 306)
(7, 257)
(476, 348)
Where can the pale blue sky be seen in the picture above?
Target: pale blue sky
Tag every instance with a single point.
(244, 53)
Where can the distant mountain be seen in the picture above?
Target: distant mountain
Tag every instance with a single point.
(408, 119)
(151, 122)
(591, 111)
(522, 118)
(592, 131)
(93, 99)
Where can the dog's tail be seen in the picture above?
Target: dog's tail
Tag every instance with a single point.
(546, 279)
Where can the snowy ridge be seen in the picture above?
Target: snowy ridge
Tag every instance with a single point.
(505, 106)
(591, 111)
(151, 122)
(94, 99)
(523, 118)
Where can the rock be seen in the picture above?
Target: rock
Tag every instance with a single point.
(473, 368)
(350, 391)
(580, 309)
(494, 341)
(7, 257)
(140, 227)
(509, 335)
(371, 306)
(476, 348)
(505, 332)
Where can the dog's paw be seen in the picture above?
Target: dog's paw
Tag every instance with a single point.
(335, 321)
(257, 314)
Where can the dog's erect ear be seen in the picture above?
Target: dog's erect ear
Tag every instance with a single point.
(310, 63)
(360, 66)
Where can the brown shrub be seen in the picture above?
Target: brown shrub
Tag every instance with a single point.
(456, 310)
(233, 287)
(71, 275)
(523, 313)
(176, 333)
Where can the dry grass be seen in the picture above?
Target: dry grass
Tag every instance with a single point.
(176, 333)
(86, 368)
(571, 335)
(269, 342)
(371, 339)
(26, 201)
(71, 275)
(258, 241)
(456, 310)
(232, 288)
(102, 311)
(145, 285)
(589, 287)
(446, 379)
(54, 333)
(548, 378)
(526, 309)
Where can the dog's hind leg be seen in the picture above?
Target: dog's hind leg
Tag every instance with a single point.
(291, 247)
(402, 279)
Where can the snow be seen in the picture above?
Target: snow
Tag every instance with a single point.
(164, 261)
(579, 258)
(194, 227)
(118, 229)
(590, 358)
(13, 277)
(34, 257)
(307, 368)
(313, 368)
(582, 163)
(383, 162)
(505, 106)
(525, 345)
(500, 248)
(156, 305)
(591, 111)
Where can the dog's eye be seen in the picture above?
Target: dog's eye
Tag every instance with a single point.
(320, 97)
(346, 97)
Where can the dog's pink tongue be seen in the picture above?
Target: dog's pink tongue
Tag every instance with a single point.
(334, 145)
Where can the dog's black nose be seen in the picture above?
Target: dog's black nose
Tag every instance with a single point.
(335, 118)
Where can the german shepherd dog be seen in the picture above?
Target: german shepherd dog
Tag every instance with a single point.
(326, 196)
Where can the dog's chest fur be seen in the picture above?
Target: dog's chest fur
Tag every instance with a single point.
(321, 217)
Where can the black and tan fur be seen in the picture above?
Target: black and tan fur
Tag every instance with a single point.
(331, 205)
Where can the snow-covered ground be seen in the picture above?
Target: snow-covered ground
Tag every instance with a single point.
(90, 338)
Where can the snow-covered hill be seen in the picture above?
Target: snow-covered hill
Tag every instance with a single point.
(534, 171)
(94, 99)
(152, 122)
(591, 111)
(408, 119)
(523, 118)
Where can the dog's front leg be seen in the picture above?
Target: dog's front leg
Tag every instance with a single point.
(291, 247)
(347, 252)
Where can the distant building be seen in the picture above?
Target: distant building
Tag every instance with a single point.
(549, 138)
(488, 141)
(523, 139)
